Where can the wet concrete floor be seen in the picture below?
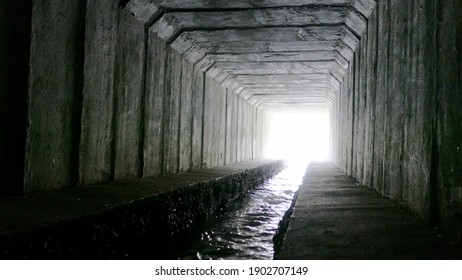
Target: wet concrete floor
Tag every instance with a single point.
(336, 218)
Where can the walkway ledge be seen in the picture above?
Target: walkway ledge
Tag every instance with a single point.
(138, 219)
(334, 217)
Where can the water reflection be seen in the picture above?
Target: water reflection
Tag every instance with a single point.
(246, 229)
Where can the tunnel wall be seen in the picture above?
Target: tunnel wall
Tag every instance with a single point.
(55, 94)
(108, 99)
(15, 18)
(397, 118)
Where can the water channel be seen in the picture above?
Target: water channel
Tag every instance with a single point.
(246, 229)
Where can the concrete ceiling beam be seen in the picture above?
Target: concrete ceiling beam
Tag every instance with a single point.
(313, 67)
(287, 86)
(264, 68)
(315, 56)
(273, 34)
(278, 53)
(241, 4)
(282, 78)
(268, 46)
(285, 92)
(171, 24)
(240, 48)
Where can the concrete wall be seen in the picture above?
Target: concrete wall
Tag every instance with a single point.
(55, 94)
(109, 99)
(398, 114)
(448, 126)
(15, 18)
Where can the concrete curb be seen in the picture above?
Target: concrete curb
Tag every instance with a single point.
(142, 219)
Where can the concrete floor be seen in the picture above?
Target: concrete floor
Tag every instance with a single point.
(336, 218)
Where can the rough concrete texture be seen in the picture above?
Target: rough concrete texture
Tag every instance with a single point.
(55, 89)
(198, 119)
(98, 91)
(334, 217)
(185, 141)
(129, 97)
(154, 114)
(448, 83)
(172, 99)
(274, 43)
(15, 17)
(159, 87)
(214, 124)
(395, 129)
(140, 218)
(145, 109)
(138, 103)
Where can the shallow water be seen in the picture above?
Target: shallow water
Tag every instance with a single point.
(246, 229)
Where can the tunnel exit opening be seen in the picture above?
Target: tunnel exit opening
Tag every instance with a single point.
(299, 136)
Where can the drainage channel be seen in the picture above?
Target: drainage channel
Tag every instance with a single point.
(246, 229)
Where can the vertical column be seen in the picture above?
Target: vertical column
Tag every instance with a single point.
(349, 128)
(154, 106)
(98, 91)
(371, 81)
(172, 104)
(221, 125)
(186, 116)
(210, 122)
(395, 103)
(229, 126)
(197, 119)
(363, 119)
(55, 94)
(257, 135)
(129, 96)
(356, 141)
(239, 129)
(383, 42)
(234, 127)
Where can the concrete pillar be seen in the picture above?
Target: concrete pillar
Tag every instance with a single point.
(129, 97)
(154, 110)
(55, 94)
(370, 83)
(171, 122)
(266, 119)
(239, 130)
(96, 146)
(186, 116)
(229, 115)
(381, 89)
(214, 123)
(197, 119)
(222, 111)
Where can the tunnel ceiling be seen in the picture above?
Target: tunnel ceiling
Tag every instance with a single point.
(274, 54)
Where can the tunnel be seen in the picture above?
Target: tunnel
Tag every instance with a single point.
(101, 100)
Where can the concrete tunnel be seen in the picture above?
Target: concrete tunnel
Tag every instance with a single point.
(95, 94)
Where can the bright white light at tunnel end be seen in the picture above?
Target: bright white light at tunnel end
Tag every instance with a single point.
(299, 137)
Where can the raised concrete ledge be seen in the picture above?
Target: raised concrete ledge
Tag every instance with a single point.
(139, 218)
(334, 217)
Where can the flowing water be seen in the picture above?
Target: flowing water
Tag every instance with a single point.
(246, 229)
